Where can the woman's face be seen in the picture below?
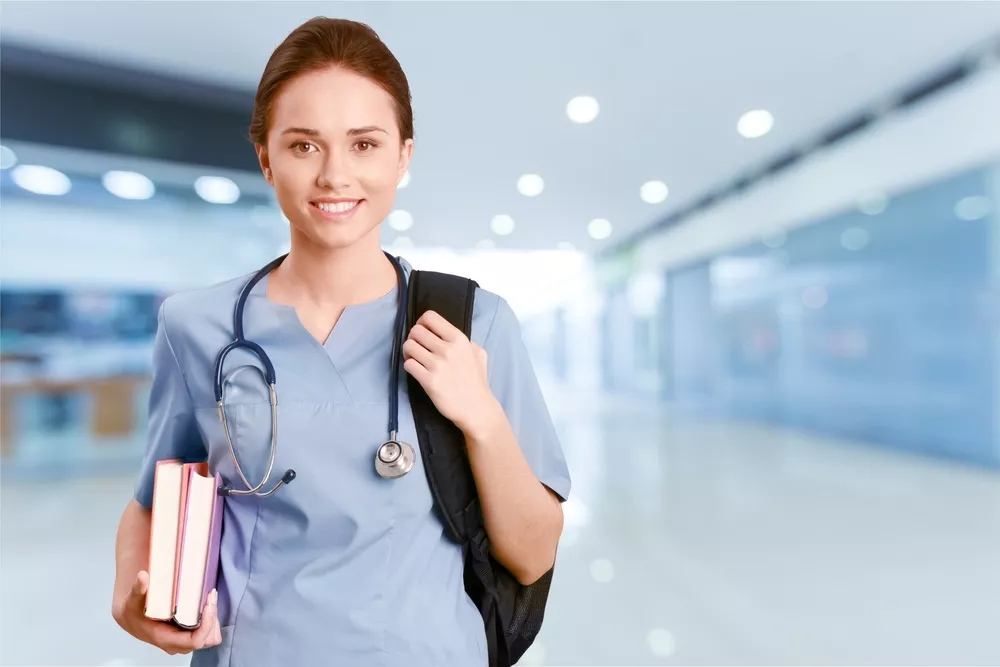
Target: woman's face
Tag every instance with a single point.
(334, 156)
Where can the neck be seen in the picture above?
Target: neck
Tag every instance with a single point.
(336, 277)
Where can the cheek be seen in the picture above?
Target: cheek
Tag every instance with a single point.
(378, 180)
(379, 172)
(290, 178)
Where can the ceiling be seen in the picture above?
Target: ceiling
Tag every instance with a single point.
(491, 81)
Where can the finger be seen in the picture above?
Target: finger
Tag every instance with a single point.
(439, 325)
(200, 635)
(217, 635)
(172, 639)
(137, 594)
(141, 583)
(419, 373)
(428, 339)
(414, 350)
(209, 619)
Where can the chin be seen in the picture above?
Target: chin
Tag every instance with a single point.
(335, 238)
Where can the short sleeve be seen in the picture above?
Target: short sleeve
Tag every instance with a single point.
(173, 432)
(512, 380)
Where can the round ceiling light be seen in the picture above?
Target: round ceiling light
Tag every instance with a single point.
(217, 190)
(530, 185)
(599, 229)
(654, 192)
(400, 220)
(128, 185)
(41, 180)
(582, 109)
(755, 124)
(502, 225)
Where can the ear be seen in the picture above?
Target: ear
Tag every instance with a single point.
(405, 153)
(265, 162)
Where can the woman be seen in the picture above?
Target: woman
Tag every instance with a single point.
(342, 566)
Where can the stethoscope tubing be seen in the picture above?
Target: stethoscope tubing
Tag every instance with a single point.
(240, 342)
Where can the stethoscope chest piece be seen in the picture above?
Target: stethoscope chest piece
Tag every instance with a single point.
(394, 458)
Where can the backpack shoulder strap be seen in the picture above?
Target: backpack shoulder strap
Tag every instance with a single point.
(442, 444)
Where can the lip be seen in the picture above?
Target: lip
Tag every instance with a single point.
(335, 200)
(335, 216)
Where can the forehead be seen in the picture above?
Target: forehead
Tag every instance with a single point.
(332, 100)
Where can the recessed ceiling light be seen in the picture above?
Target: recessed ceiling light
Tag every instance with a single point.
(486, 244)
(972, 208)
(654, 192)
(502, 224)
(7, 158)
(599, 229)
(402, 242)
(400, 220)
(41, 180)
(566, 245)
(530, 185)
(582, 109)
(128, 185)
(405, 180)
(217, 190)
(755, 124)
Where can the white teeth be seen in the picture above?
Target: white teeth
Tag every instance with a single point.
(341, 207)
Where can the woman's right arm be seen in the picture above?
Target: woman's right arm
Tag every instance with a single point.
(132, 580)
(173, 434)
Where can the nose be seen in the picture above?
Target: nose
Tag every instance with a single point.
(334, 171)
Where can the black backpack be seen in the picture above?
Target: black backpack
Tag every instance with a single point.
(512, 613)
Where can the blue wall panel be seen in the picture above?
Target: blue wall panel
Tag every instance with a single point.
(880, 327)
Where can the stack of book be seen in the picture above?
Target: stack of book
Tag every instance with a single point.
(183, 542)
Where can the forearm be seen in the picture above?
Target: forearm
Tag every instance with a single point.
(523, 518)
(131, 548)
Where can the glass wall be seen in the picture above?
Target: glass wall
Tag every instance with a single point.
(879, 323)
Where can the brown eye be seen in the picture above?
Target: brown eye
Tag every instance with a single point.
(365, 146)
(301, 146)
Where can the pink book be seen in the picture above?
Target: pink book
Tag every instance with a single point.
(200, 535)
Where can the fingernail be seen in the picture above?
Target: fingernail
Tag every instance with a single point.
(214, 596)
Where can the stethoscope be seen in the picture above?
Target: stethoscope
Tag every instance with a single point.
(393, 458)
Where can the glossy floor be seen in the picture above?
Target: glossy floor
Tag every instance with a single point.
(687, 542)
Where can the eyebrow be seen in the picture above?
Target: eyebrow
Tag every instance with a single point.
(351, 133)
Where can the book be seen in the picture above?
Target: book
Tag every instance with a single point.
(185, 536)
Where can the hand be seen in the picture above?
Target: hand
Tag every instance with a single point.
(450, 368)
(129, 615)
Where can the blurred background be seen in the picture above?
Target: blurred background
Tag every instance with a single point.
(755, 249)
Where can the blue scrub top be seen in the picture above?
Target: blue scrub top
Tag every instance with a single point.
(341, 566)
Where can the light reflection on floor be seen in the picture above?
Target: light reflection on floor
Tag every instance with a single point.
(687, 542)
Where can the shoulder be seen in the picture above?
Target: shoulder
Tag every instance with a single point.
(492, 318)
(208, 308)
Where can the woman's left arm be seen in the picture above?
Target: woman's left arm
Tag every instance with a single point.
(523, 517)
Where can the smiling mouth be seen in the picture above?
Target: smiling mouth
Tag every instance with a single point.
(337, 207)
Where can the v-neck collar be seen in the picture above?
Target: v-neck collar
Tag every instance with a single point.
(350, 325)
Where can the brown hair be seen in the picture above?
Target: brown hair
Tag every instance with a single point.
(324, 42)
